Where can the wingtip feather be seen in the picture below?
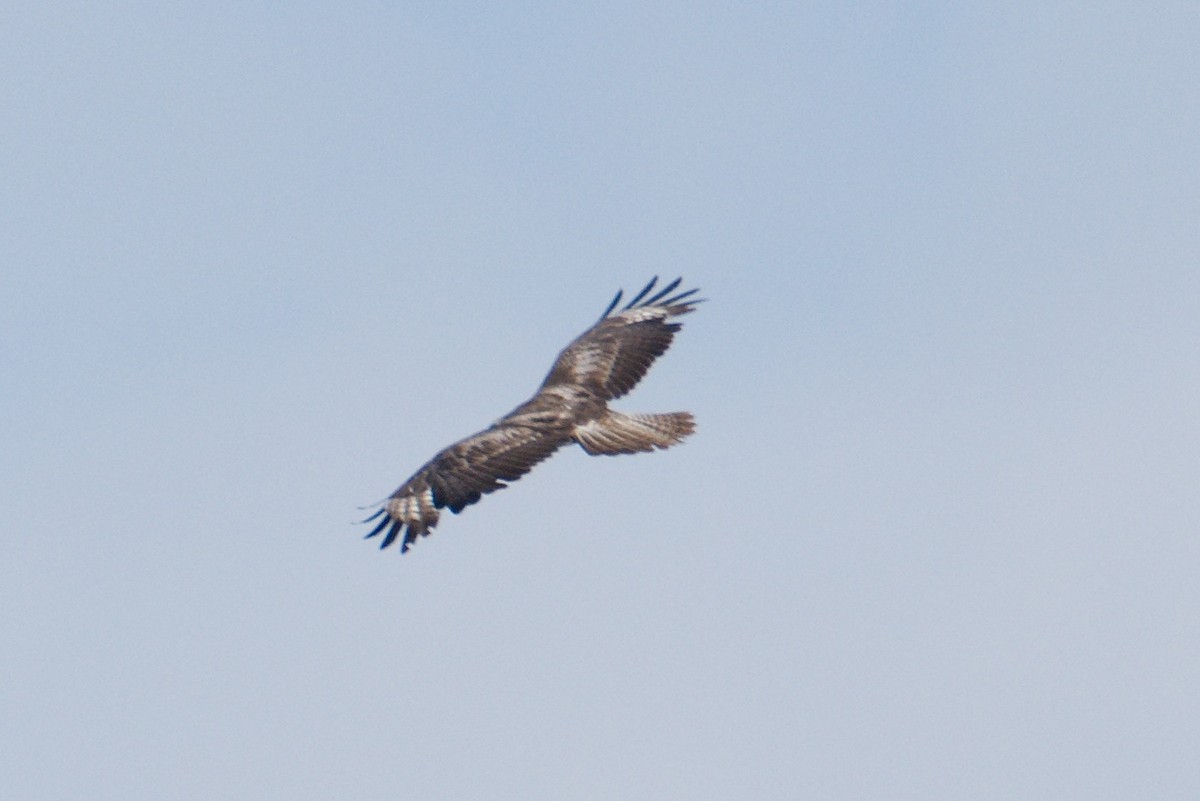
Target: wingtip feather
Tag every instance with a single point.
(666, 290)
(643, 293)
(613, 305)
(382, 525)
(390, 537)
(683, 298)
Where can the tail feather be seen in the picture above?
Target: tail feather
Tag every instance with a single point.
(613, 432)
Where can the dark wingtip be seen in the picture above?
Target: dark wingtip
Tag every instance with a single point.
(388, 539)
(643, 293)
(683, 296)
(659, 298)
(666, 290)
(382, 525)
(613, 305)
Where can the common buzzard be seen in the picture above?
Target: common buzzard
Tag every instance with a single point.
(602, 364)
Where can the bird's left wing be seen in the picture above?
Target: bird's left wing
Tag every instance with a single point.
(459, 476)
(612, 356)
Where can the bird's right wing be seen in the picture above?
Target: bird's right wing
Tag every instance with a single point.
(459, 476)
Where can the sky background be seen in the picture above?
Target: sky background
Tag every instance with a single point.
(937, 535)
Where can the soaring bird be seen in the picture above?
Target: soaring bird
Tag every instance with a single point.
(602, 364)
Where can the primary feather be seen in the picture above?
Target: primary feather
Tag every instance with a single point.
(603, 363)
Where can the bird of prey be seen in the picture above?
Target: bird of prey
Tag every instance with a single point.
(602, 364)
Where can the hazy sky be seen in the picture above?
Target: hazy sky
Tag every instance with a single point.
(938, 533)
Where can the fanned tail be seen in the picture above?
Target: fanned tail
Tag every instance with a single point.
(614, 432)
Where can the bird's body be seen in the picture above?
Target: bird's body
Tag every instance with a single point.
(602, 364)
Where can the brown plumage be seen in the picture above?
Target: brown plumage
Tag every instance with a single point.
(603, 363)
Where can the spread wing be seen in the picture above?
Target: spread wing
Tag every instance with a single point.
(612, 356)
(459, 476)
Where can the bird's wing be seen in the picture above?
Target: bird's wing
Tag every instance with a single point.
(459, 476)
(611, 357)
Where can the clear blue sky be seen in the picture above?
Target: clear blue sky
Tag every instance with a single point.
(936, 536)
